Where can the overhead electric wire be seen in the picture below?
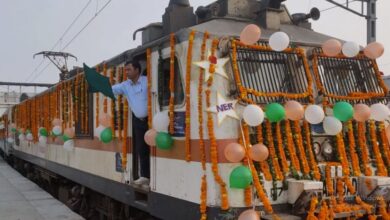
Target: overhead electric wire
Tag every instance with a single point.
(60, 39)
(333, 7)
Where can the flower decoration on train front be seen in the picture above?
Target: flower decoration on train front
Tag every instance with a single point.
(213, 65)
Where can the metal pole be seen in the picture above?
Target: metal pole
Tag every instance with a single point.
(371, 21)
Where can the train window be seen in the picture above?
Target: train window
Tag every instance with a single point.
(163, 83)
(84, 108)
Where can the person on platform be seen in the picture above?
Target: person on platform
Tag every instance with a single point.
(135, 89)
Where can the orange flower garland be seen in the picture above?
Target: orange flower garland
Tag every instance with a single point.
(385, 143)
(172, 84)
(354, 156)
(263, 164)
(119, 121)
(188, 97)
(324, 212)
(313, 162)
(382, 209)
(342, 154)
(203, 198)
(381, 169)
(248, 190)
(328, 181)
(97, 102)
(340, 190)
(112, 103)
(290, 146)
(363, 148)
(272, 153)
(313, 205)
(281, 150)
(301, 150)
(149, 76)
(125, 129)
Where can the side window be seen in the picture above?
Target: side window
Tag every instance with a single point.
(163, 83)
(84, 108)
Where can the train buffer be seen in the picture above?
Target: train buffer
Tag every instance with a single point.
(21, 199)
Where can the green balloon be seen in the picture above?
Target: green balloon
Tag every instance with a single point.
(65, 138)
(43, 132)
(28, 131)
(106, 135)
(164, 141)
(275, 112)
(13, 130)
(343, 111)
(240, 177)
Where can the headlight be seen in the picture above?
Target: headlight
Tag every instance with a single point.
(327, 148)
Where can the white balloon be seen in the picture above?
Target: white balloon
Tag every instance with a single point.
(161, 121)
(314, 114)
(379, 112)
(29, 137)
(22, 137)
(332, 125)
(42, 140)
(69, 145)
(57, 130)
(350, 49)
(253, 115)
(279, 41)
(10, 140)
(99, 130)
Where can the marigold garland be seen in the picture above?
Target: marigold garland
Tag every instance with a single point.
(97, 102)
(313, 162)
(381, 169)
(105, 105)
(342, 154)
(363, 148)
(188, 97)
(263, 164)
(112, 103)
(354, 156)
(272, 153)
(328, 181)
(281, 150)
(382, 208)
(324, 212)
(203, 198)
(384, 142)
(313, 205)
(120, 106)
(172, 84)
(149, 76)
(291, 149)
(301, 150)
(125, 129)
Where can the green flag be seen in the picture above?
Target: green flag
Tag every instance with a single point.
(97, 82)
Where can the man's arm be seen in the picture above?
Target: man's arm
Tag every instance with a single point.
(117, 89)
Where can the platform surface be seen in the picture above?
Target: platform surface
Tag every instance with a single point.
(21, 199)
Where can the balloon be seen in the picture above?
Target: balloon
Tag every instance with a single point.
(106, 135)
(29, 137)
(374, 50)
(69, 132)
(234, 152)
(65, 138)
(294, 110)
(150, 137)
(350, 49)
(343, 111)
(253, 115)
(56, 122)
(69, 145)
(99, 130)
(164, 141)
(379, 112)
(275, 112)
(314, 114)
(250, 34)
(361, 112)
(10, 140)
(43, 140)
(249, 214)
(331, 47)
(43, 132)
(13, 130)
(258, 152)
(22, 130)
(21, 137)
(161, 121)
(105, 119)
(240, 177)
(57, 130)
(332, 125)
(279, 41)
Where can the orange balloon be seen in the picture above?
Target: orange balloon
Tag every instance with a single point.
(249, 214)
(234, 152)
(56, 122)
(105, 119)
(361, 112)
(374, 50)
(250, 34)
(294, 110)
(150, 137)
(69, 132)
(331, 47)
(259, 152)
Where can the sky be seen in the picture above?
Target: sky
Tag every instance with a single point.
(28, 27)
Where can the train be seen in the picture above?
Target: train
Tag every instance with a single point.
(197, 68)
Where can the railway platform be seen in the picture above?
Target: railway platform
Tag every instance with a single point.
(21, 199)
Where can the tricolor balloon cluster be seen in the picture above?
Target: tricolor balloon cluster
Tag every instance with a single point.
(67, 135)
(104, 132)
(253, 115)
(278, 41)
(334, 47)
(158, 136)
